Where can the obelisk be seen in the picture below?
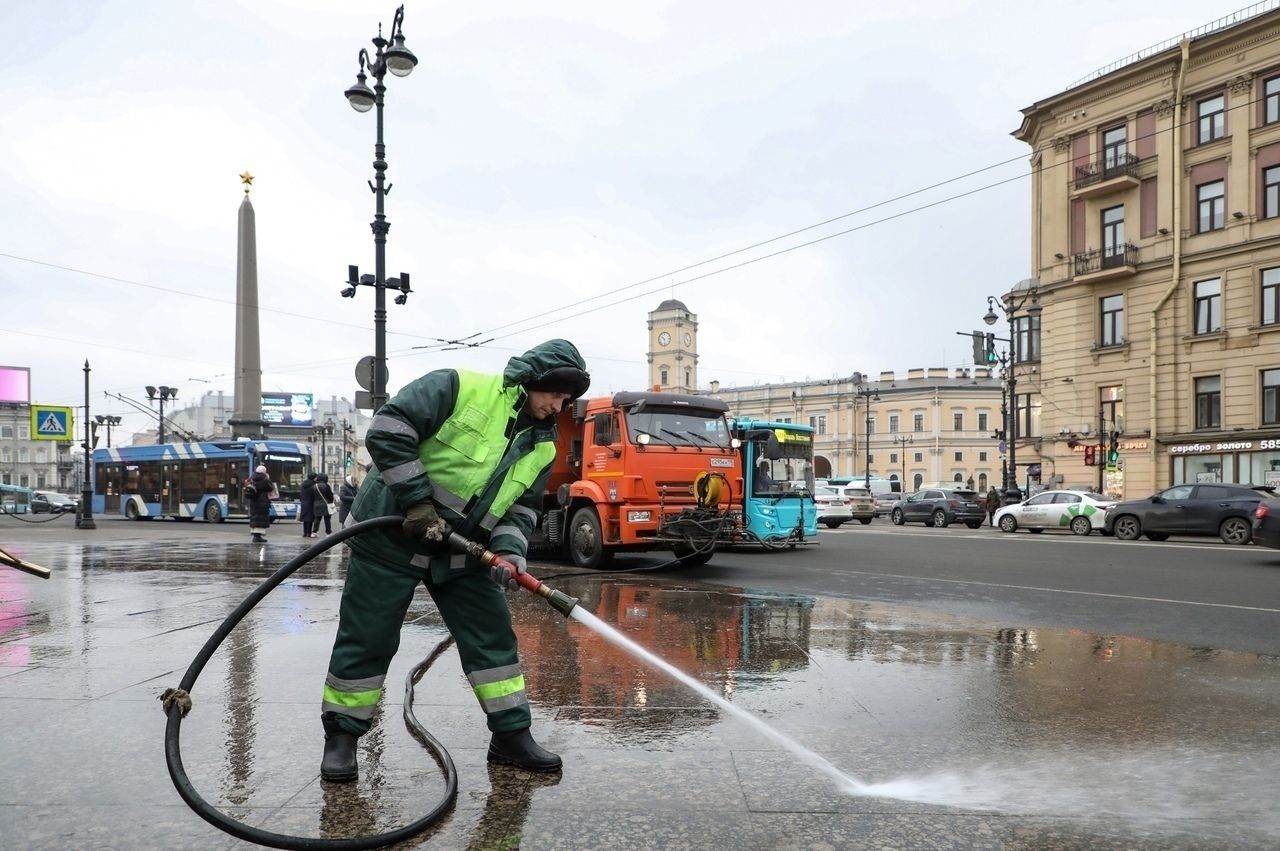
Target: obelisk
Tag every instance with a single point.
(247, 421)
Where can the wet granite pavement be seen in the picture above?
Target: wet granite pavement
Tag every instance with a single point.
(978, 735)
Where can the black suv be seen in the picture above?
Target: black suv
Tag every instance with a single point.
(941, 507)
(1200, 509)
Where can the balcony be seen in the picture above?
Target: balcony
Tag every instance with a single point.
(1102, 177)
(1095, 265)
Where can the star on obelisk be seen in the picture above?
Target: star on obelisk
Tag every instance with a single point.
(247, 179)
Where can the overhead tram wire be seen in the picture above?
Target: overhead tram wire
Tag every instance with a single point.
(1038, 169)
(572, 305)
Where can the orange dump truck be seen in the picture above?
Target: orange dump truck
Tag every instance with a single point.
(642, 471)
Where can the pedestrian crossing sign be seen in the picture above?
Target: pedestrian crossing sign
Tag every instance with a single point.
(52, 422)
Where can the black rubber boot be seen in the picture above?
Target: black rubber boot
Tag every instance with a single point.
(518, 748)
(339, 762)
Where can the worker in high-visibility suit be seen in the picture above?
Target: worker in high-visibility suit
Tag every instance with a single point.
(473, 451)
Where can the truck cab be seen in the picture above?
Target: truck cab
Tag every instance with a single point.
(640, 471)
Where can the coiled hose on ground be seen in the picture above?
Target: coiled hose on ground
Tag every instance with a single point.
(177, 702)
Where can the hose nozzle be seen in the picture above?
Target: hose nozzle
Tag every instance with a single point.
(558, 600)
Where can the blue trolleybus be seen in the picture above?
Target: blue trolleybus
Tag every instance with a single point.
(775, 456)
(189, 480)
(15, 499)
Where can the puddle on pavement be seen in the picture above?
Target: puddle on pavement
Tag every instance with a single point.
(923, 707)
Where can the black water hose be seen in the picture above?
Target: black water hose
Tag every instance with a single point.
(175, 711)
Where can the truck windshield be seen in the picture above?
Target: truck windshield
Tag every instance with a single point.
(680, 426)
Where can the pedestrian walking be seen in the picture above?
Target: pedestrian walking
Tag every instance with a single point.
(346, 495)
(993, 504)
(258, 492)
(324, 506)
(473, 451)
(306, 505)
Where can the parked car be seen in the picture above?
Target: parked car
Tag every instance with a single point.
(1225, 510)
(941, 507)
(1266, 524)
(862, 505)
(52, 503)
(885, 502)
(833, 509)
(1080, 511)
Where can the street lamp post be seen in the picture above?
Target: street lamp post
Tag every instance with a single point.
(902, 443)
(868, 395)
(1010, 306)
(390, 56)
(161, 394)
(323, 432)
(109, 422)
(85, 519)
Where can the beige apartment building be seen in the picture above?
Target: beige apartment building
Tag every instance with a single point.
(931, 425)
(1156, 255)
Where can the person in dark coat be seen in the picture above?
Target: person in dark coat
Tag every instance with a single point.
(346, 495)
(323, 501)
(306, 505)
(258, 492)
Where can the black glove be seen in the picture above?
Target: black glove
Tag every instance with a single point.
(422, 523)
(503, 573)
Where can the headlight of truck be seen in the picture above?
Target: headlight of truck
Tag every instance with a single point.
(639, 516)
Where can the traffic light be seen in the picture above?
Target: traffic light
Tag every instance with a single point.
(1113, 450)
(347, 463)
(93, 432)
(979, 348)
(990, 351)
(1090, 455)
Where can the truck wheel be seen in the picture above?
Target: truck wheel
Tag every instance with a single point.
(586, 540)
(213, 511)
(131, 511)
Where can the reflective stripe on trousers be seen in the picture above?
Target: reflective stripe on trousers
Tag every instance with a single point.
(498, 688)
(357, 698)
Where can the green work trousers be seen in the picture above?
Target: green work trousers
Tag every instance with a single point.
(376, 598)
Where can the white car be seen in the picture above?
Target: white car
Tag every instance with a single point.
(1080, 511)
(833, 509)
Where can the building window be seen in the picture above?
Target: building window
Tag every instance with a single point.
(1271, 93)
(1207, 306)
(23, 456)
(24, 432)
(818, 424)
(1270, 296)
(957, 421)
(1027, 411)
(662, 376)
(982, 421)
(6, 432)
(871, 424)
(1211, 201)
(1209, 402)
(688, 376)
(1212, 115)
(1026, 338)
(1113, 148)
(917, 422)
(1113, 237)
(1112, 307)
(893, 423)
(916, 480)
(784, 419)
(982, 482)
(1111, 406)
(871, 459)
(1271, 192)
(919, 457)
(893, 457)
(1271, 397)
(982, 456)
(959, 456)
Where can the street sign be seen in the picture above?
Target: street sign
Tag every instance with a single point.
(364, 373)
(364, 400)
(1004, 447)
(51, 422)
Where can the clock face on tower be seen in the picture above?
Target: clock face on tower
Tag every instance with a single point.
(664, 339)
(688, 340)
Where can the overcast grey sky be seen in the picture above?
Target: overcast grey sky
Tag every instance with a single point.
(541, 155)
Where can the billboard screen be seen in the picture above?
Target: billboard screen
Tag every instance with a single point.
(288, 409)
(15, 384)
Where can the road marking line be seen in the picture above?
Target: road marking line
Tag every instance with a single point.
(1065, 591)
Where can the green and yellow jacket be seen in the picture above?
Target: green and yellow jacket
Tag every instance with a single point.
(461, 439)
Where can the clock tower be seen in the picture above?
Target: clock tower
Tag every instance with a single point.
(673, 348)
